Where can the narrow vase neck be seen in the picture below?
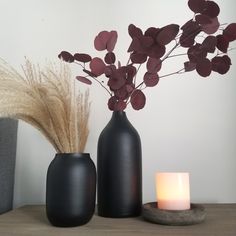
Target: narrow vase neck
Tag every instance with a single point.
(117, 115)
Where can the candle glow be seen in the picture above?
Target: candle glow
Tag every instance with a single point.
(173, 191)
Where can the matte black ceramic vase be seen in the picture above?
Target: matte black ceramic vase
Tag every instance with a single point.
(119, 167)
(71, 189)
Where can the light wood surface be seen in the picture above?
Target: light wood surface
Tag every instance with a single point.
(31, 220)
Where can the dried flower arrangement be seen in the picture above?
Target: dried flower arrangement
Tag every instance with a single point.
(204, 40)
(46, 99)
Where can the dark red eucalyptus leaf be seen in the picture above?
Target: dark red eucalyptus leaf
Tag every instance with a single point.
(100, 41)
(150, 80)
(227, 59)
(134, 31)
(130, 88)
(120, 105)
(152, 32)
(222, 43)
(189, 66)
(196, 53)
(186, 40)
(197, 6)
(138, 58)
(202, 19)
(97, 66)
(89, 73)
(131, 72)
(110, 58)
(82, 57)
(212, 27)
(66, 56)
(135, 45)
(116, 105)
(167, 34)
(121, 93)
(111, 103)
(204, 67)
(157, 51)
(211, 9)
(112, 41)
(146, 41)
(109, 70)
(191, 28)
(209, 43)
(221, 64)
(138, 99)
(230, 32)
(83, 79)
(115, 83)
(153, 65)
(121, 72)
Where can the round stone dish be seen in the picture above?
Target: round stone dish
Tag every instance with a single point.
(195, 215)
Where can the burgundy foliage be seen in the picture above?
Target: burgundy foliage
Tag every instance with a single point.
(204, 41)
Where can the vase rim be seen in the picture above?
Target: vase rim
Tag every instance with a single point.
(119, 111)
(73, 154)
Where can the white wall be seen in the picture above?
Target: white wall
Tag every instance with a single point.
(188, 123)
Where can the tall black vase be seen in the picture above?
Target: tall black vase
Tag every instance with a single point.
(71, 189)
(119, 168)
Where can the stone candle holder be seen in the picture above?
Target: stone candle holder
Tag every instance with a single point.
(195, 215)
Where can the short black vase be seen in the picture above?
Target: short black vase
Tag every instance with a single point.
(71, 189)
(119, 167)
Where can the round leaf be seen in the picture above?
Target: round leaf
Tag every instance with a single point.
(100, 42)
(138, 99)
(197, 6)
(110, 58)
(97, 66)
(134, 31)
(222, 43)
(115, 83)
(138, 58)
(135, 45)
(84, 80)
(203, 67)
(152, 32)
(153, 65)
(167, 34)
(186, 40)
(116, 105)
(230, 32)
(146, 41)
(196, 53)
(157, 51)
(209, 43)
(212, 27)
(150, 80)
(211, 9)
(221, 64)
(66, 56)
(82, 57)
(112, 41)
(202, 19)
(121, 93)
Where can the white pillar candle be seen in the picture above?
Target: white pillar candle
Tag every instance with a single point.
(173, 191)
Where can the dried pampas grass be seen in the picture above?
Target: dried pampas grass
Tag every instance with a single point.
(48, 100)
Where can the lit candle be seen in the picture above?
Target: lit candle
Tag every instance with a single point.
(173, 191)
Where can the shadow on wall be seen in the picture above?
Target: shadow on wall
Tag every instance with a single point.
(8, 139)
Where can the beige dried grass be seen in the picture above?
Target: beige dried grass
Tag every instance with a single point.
(48, 100)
